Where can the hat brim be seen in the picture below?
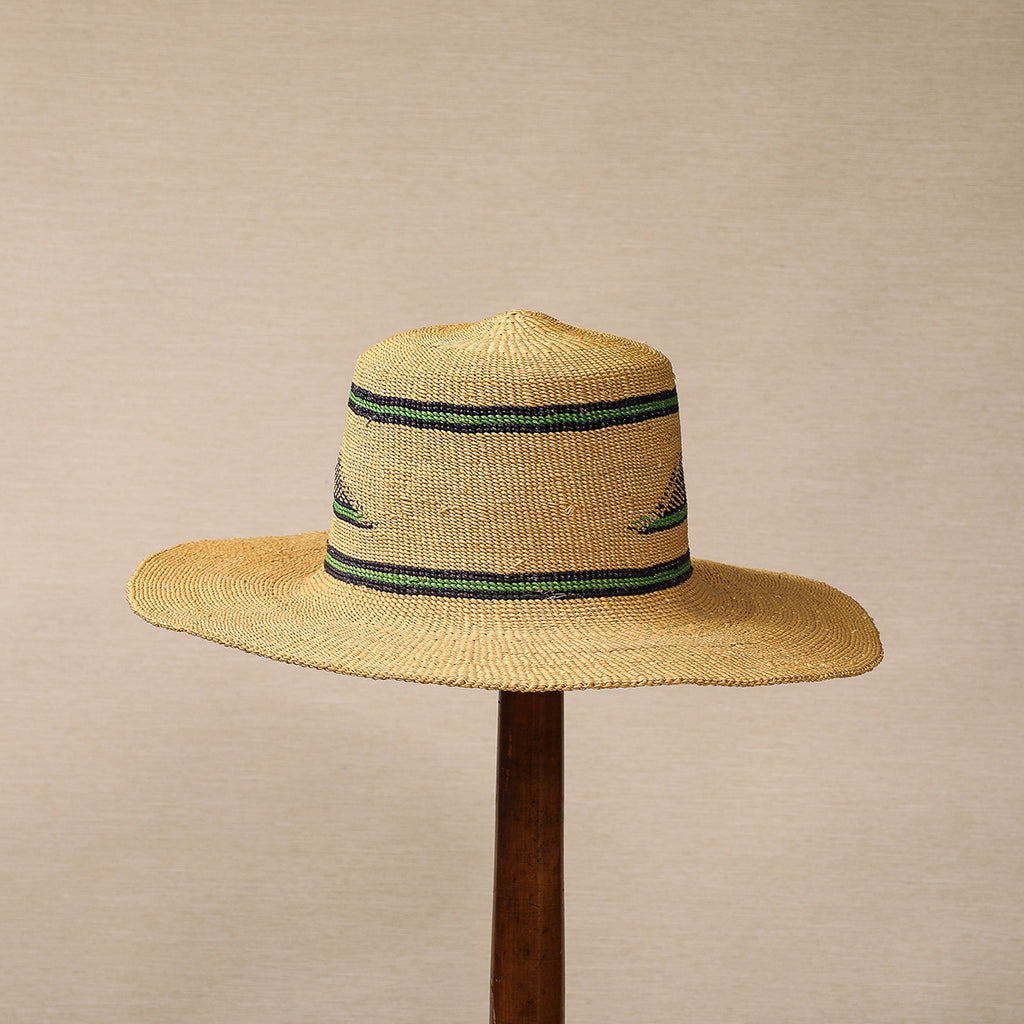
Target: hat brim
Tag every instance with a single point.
(725, 626)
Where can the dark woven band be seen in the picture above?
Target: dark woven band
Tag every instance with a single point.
(344, 510)
(510, 419)
(550, 586)
(671, 510)
(655, 523)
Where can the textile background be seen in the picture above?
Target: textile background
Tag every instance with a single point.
(208, 210)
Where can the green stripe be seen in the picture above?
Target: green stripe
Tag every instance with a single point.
(346, 513)
(676, 517)
(471, 418)
(556, 586)
(670, 520)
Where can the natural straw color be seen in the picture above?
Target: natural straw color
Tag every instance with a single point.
(509, 513)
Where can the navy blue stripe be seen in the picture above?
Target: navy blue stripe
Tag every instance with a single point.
(357, 521)
(657, 525)
(533, 410)
(614, 413)
(510, 577)
(547, 593)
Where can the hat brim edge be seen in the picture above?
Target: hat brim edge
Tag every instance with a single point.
(142, 579)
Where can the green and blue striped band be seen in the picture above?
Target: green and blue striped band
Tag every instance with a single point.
(524, 586)
(510, 419)
(656, 523)
(345, 512)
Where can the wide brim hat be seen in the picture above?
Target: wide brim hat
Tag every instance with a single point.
(509, 512)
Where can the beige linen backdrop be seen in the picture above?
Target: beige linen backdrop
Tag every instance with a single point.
(209, 209)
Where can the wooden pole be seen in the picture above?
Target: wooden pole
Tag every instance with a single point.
(528, 939)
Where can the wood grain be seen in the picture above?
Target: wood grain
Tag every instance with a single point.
(528, 945)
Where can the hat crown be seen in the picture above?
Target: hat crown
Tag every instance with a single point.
(516, 358)
(518, 457)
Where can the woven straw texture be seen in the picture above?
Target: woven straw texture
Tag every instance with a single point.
(509, 512)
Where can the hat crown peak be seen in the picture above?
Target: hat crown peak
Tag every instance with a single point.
(517, 331)
(518, 336)
(519, 357)
(520, 332)
(522, 321)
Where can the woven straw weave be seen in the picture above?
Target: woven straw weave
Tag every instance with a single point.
(509, 512)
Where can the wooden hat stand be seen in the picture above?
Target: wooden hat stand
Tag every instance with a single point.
(528, 939)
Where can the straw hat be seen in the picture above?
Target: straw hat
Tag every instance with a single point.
(510, 513)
